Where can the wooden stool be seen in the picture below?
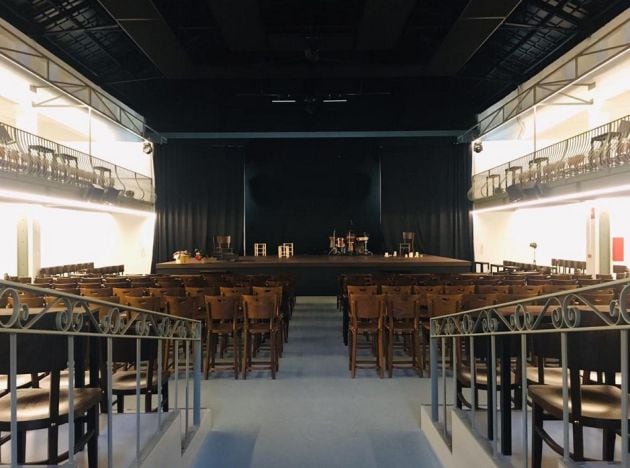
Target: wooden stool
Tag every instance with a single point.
(260, 250)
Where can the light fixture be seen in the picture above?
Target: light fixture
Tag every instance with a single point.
(477, 147)
(69, 203)
(147, 148)
(335, 100)
(557, 198)
(534, 246)
(283, 101)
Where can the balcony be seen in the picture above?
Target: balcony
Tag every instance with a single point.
(602, 151)
(34, 164)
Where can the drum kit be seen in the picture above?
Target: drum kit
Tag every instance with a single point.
(348, 245)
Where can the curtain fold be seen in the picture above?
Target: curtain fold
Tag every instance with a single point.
(199, 189)
(424, 190)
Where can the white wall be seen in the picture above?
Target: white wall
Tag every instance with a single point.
(559, 231)
(72, 236)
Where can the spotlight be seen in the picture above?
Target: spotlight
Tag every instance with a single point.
(147, 147)
(477, 147)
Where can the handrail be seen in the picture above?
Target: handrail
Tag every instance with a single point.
(26, 154)
(564, 308)
(72, 314)
(584, 152)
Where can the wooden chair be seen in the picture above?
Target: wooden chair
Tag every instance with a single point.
(96, 292)
(276, 292)
(47, 408)
(493, 289)
(30, 301)
(396, 289)
(402, 313)
(366, 318)
(350, 289)
(223, 319)
(459, 289)
(124, 352)
(235, 291)
(180, 306)
(593, 405)
(128, 291)
(260, 320)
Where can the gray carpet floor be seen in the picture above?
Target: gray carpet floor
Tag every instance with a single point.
(314, 414)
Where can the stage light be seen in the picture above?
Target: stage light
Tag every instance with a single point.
(283, 101)
(559, 198)
(66, 202)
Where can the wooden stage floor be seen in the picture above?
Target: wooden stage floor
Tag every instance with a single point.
(316, 275)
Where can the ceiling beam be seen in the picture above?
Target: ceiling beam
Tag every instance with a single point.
(478, 21)
(383, 23)
(146, 27)
(240, 24)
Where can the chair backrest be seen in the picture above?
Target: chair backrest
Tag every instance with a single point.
(235, 291)
(444, 304)
(396, 289)
(527, 291)
(160, 292)
(402, 306)
(478, 301)
(493, 289)
(181, 306)
(31, 301)
(367, 306)
(554, 288)
(96, 292)
(221, 307)
(259, 307)
(598, 298)
(123, 292)
(435, 289)
(223, 242)
(368, 289)
(459, 289)
(202, 291)
(145, 302)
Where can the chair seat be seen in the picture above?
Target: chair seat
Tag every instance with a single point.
(33, 404)
(599, 402)
(224, 327)
(125, 381)
(463, 375)
(21, 381)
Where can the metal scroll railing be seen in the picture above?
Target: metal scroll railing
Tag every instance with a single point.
(504, 335)
(104, 328)
(602, 147)
(23, 154)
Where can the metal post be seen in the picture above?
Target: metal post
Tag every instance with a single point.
(197, 383)
(110, 422)
(70, 400)
(444, 384)
(493, 407)
(473, 384)
(454, 369)
(624, 399)
(187, 349)
(565, 397)
(138, 363)
(13, 390)
(159, 383)
(524, 398)
(435, 398)
(176, 370)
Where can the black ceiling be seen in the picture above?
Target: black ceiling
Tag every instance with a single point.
(216, 65)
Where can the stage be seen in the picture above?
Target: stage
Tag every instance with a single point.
(316, 275)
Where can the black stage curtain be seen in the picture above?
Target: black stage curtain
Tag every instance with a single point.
(199, 188)
(424, 189)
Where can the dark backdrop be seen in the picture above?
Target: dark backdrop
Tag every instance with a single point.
(300, 190)
(199, 188)
(424, 189)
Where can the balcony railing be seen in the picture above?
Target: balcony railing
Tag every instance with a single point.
(607, 146)
(27, 156)
(507, 334)
(92, 335)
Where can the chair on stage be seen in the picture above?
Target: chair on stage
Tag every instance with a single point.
(407, 244)
(222, 246)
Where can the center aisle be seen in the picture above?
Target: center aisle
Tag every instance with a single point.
(314, 414)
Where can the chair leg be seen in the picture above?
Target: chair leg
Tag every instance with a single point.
(578, 442)
(608, 446)
(120, 404)
(272, 353)
(379, 356)
(21, 443)
(92, 446)
(390, 353)
(537, 425)
(206, 364)
(245, 353)
(53, 443)
(235, 353)
(165, 397)
(353, 345)
(214, 338)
